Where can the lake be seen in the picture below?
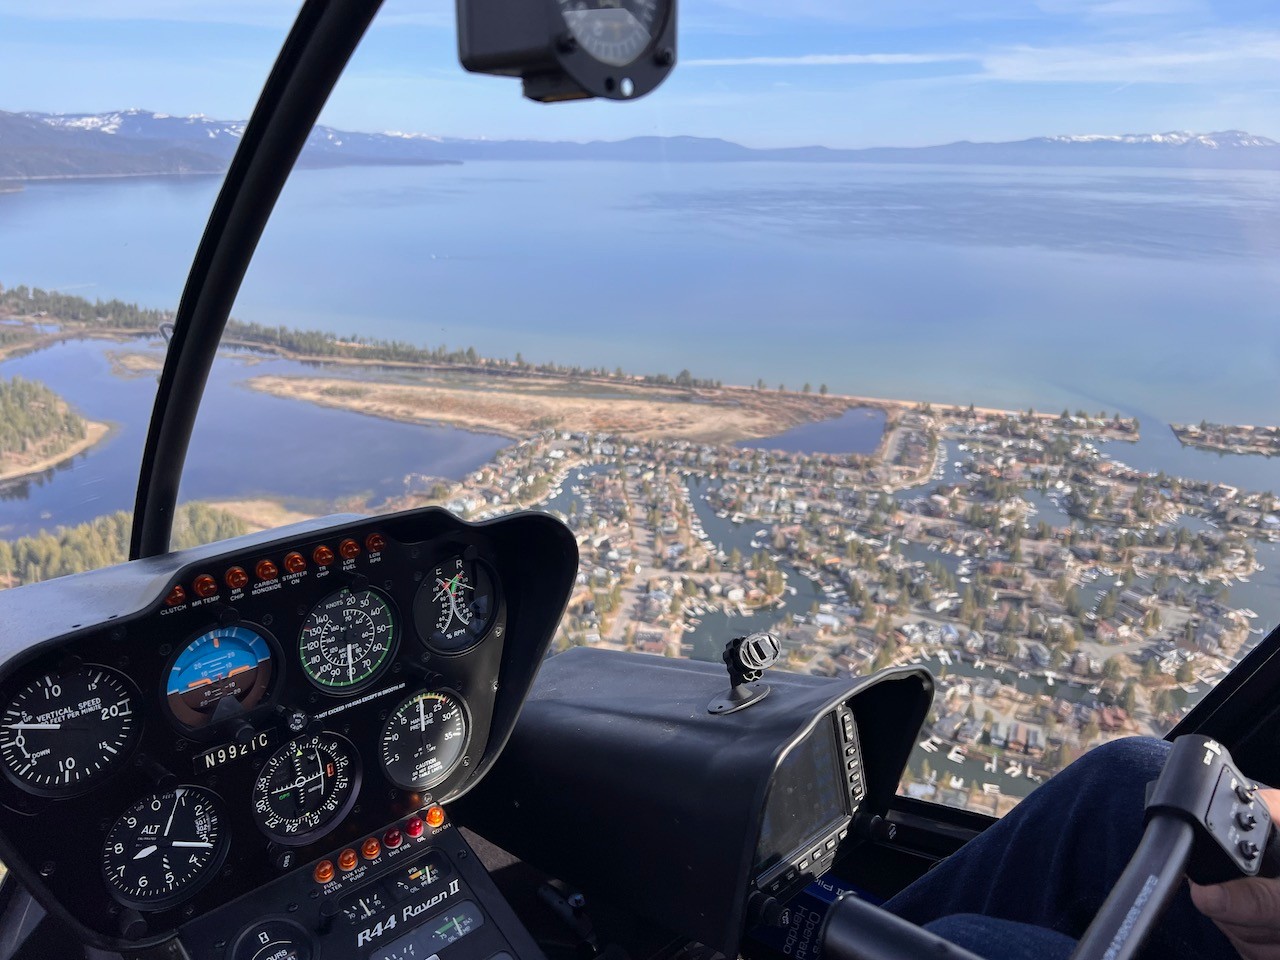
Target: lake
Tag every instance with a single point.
(1147, 292)
(1150, 292)
(857, 430)
(245, 444)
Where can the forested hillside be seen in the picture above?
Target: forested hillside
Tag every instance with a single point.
(34, 422)
(102, 542)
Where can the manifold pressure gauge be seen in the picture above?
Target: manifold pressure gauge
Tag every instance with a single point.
(571, 49)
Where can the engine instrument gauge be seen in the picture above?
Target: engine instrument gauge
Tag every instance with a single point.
(221, 674)
(570, 49)
(65, 731)
(423, 740)
(615, 32)
(346, 640)
(455, 605)
(305, 788)
(165, 847)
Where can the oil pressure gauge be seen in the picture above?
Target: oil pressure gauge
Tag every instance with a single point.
(571, 49)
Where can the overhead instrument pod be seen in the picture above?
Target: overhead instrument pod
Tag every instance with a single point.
(571, 49)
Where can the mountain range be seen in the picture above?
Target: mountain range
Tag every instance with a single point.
(141, 143)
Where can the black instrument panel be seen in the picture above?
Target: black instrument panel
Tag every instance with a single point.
(275, 700)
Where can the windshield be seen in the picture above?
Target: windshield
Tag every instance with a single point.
(911, 335)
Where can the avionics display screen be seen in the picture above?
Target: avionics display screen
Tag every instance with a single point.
(809, 794)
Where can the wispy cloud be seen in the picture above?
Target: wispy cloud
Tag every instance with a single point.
(1114, 9)
(249, 13)
(834, 60)
(1208, 57)
(1215, 56)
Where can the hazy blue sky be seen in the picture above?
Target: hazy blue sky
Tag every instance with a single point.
(763, 72)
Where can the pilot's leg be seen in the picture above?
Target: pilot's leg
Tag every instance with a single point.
(1003, 939)
(1051, 862)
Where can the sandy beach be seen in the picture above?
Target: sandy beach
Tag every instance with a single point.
(510, 408)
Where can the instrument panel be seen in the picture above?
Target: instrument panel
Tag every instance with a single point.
(267, 706)
(750, 804)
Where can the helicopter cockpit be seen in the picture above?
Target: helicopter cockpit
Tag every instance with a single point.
(351, 737)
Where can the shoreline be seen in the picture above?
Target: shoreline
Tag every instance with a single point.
(640, 412)
(504, 371)
(94, 434)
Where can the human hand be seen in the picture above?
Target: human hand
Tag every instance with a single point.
(1247, 910)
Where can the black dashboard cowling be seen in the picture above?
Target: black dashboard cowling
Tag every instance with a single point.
(617, 778)
(126, 618)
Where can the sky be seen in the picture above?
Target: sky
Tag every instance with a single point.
(844, 73)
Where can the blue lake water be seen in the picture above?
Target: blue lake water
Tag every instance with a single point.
(855, 431)
(1150, 292)
(245, 443)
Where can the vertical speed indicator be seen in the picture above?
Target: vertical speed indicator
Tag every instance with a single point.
(66, 730)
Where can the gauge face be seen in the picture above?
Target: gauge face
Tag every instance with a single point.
(615, 32)
(64, 732)
(305, 788)
(423, 740)
(219, 675)
(347, 640)
(455, 605)
(165, 847)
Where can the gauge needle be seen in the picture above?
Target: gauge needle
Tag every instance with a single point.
(351, 661)
(177, 799)
(320, 764)
(199, 844)
(145, 852)
(33, 726)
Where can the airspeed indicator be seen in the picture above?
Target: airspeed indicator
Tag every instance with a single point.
(347, 640)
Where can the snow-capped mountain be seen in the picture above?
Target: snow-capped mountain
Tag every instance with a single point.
(1222, 140)
(140, 142)
(145, 125)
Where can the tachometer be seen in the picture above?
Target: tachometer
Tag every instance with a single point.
(221, 674)
(347, 640)
(423, 740)
(455, 605)
(165, 847)
(65, 731)
(305, 788)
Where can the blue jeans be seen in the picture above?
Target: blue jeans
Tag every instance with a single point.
(1026, 888)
